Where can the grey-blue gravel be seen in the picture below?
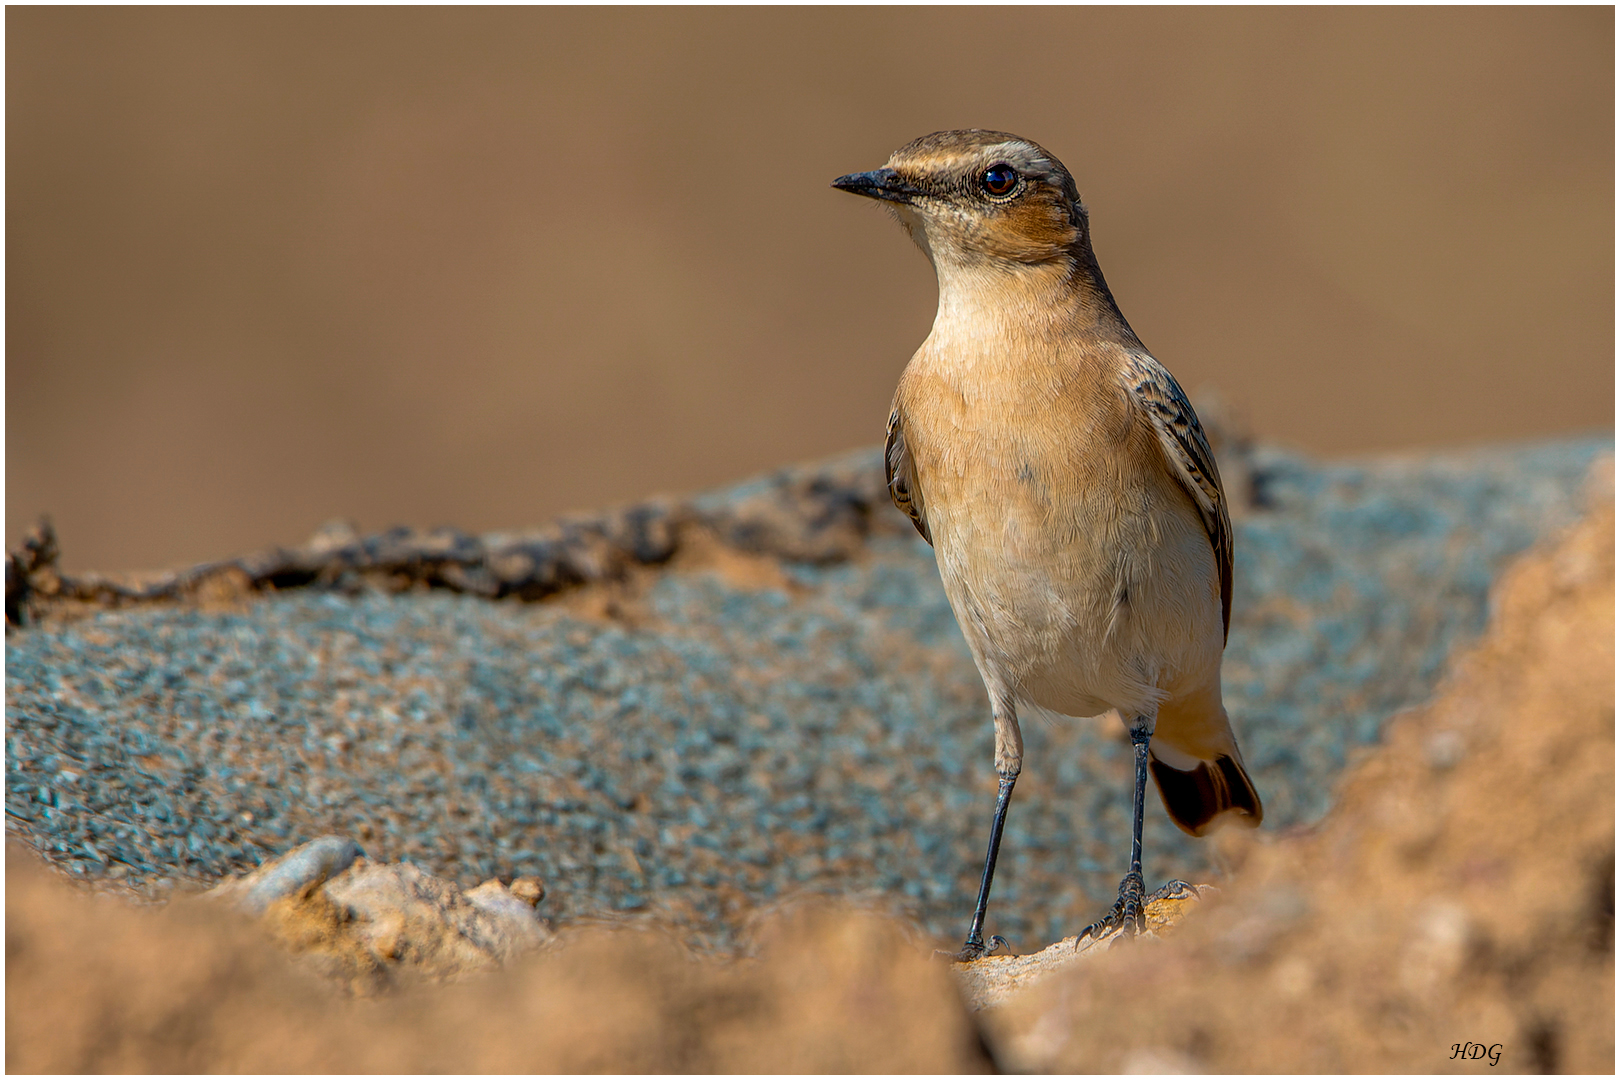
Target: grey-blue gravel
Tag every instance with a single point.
(737, 742)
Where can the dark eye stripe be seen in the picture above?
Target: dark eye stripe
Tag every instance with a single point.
(999, 180)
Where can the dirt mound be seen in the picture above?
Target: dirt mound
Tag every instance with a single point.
(95, 985)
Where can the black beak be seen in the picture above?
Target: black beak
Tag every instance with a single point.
(878, 184)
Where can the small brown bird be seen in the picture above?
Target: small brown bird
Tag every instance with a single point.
(1064, 482)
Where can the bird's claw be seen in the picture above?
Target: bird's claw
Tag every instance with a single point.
(973, 950)
(1129, 912)
(1174, 889)
(976, 950)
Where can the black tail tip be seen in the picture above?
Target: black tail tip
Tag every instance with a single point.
(1214, 793)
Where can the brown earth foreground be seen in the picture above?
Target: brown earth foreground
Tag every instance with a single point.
(1460, 893)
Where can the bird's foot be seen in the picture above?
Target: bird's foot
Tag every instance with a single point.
(1129, 913)
(1126, 914)
(975, 950)
(1174, 889)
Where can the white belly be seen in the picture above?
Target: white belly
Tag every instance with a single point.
(1085, 610)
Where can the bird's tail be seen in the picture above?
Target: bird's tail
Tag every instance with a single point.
(1211, 793)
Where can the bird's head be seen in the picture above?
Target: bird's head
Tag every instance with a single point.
(972, 198)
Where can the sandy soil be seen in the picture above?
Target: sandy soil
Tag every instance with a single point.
(95, 986)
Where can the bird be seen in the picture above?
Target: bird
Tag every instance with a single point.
(1066, 487)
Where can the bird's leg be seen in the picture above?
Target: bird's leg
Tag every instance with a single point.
(1009, 759)
(1129, 910)
(975, 948)
(1132, 889)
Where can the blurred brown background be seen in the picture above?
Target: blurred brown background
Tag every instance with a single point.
(272, 266)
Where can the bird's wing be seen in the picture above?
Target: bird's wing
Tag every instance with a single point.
(902, 479)
(1190, 458)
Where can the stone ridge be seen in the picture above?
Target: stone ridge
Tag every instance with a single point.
(819, 512)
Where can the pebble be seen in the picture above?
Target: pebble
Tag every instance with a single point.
(308, 865)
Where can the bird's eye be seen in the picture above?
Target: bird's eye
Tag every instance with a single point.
(999, 180)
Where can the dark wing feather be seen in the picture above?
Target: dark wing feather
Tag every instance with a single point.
(903, 487)
(1190, 458)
